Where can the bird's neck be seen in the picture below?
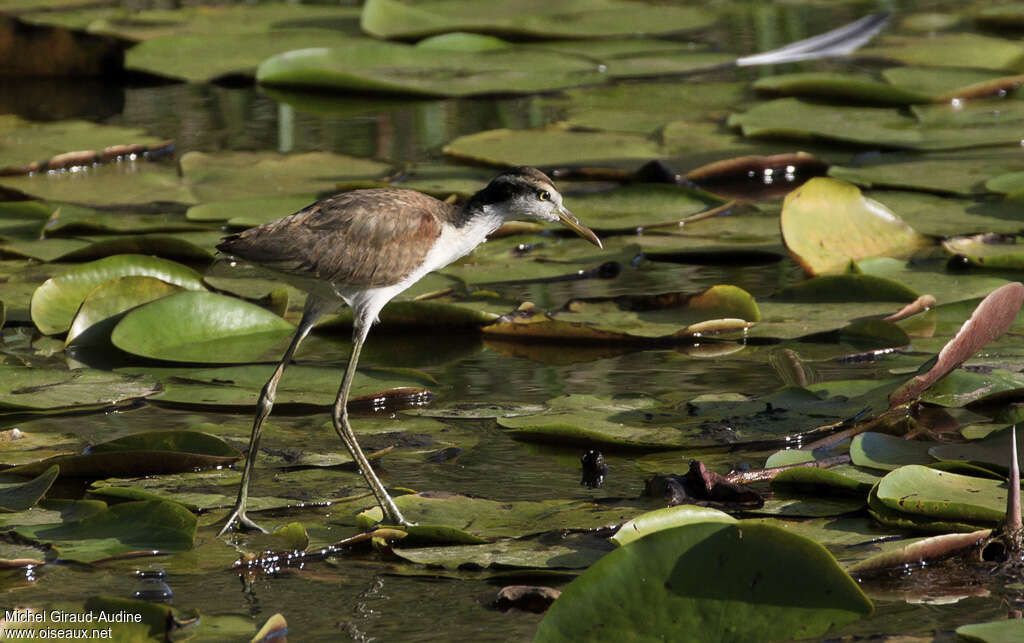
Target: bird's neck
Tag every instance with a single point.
(481, 216)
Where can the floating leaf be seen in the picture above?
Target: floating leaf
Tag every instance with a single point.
(666, 518)
(573, 551)
(200, 327)
(18, 495)
(104, 305)
(995, 251)
(828, 223)
(682, 579)
(847, 287)
(551, 146)
(23, 388)
(56, 301)
(575, 19)
(949, 50)
(1004, 631)
(922, 491)
(848, 87)
(250, 212)
(151, 525)
(887, 452)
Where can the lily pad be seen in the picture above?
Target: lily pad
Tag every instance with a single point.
(250, 212)
(950, 50)
(29, 389)
(103, 307)
(554, 145)
(1004, 631)
(400, 19)
(666, 518)
(718, 581)
(200, 327)
(887, 452)
(468, 520)
(589, 420)
(151, 525)
(921, 491)
(56, 301)
(17, 494)
(993, 251)
(394, 68)
(574, 551)
(828, 223)
(840, 87)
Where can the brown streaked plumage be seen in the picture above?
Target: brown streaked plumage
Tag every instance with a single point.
(364, 247)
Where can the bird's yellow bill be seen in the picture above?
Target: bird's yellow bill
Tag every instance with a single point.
(571, 222)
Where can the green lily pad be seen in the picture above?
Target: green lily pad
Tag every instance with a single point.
(103, 307)
(394, 68)
(639, 206)
(574, 19)
(17, 494)
(997, 252)
(723, 581)
(111, 183)
(468, 520)
(946, 287)
(848, 87)
(128, 527)
(553, 145)
(200, 327)
(239, 386)
(921, 491)
(962, 387)
(949, 50)
(959, 176)
(69, 219)
(30, 389)
(887, 452)
(589, 420)
(666, 518)
(574, 551)
(947, 216)
(847, 288)
(826, 224)
(1004, 631)
(245, 175)
(56, 301)
(991, 451)
(23, 142)
(250, 212)
(840, 480)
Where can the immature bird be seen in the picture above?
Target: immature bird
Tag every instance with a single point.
(362, 248)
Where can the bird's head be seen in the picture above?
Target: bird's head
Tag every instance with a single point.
(528, 192)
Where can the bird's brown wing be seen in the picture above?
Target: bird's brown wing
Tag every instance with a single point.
(365, 238)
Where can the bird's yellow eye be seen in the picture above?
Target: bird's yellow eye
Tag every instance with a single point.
(544, 195)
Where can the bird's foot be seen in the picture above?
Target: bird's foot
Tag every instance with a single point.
(244, 523)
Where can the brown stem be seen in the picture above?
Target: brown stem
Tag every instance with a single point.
(764, 475)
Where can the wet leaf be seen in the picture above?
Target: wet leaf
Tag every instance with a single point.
(922, 491)
(666, 518)
(56, 301)
(840, 87)
(551, 146)
(449, 517)
(250, 212)
(828, 223)
(394, 68)
(575, 19)
(200, 327)
(22, 142)
(23, 388)
(127, 527)
(639, 206)
(990, 452)
(921, 551)
(1005, 631)
(245, 175)
(588, 420)
(887, 452)
(572, 551)
(847, 287)
(685, 577)
(17, 494)
(837, 480)
(949, 50)
(104, 305)
(998, 252)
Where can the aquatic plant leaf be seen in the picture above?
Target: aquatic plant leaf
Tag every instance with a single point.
(962, 387)
(69, 219)
(1004, 631)
(666, 518)
(200, 327)
(476, 520)
(990, 319)
(596, 421)
(717, 581)
(948, 216)
(56, 301)
(104, 305)
(239, 386)
(131, 526)
(887, 452)
(572, 551)
(837, 480)
(33, 389)
(960, 176)
(18, 494)
(250, 212)
(949, 50)
(997, 252)
(861, 88)
(990, 452)
(640, 205)
(891, 517)
(224, 176)
(922, 491)
(413, 70)
(553, 145)
(921, 551)
(826, 224)
(847, 288)
(403, 20)
(22, 141)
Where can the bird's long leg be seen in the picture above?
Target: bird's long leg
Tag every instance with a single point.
(310, 314)
(340, 416)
